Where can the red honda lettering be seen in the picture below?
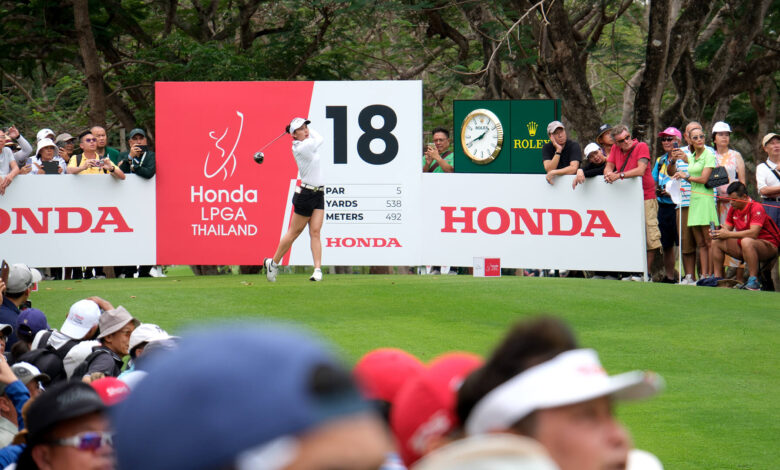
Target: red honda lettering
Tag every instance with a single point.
(576, 222)
(534, 228)
(467, 219)
(599, 219)
(63, 225)
(37, 226)
(115, 219)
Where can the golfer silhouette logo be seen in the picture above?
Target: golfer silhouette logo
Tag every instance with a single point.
(227, 165)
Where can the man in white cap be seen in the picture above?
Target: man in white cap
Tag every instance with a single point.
(561, 397)
(561, 155)
(76, 337)
(768, 176)
(21, 280)
(594, 164)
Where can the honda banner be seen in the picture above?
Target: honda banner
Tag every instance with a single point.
(78, 220)
(528, 223)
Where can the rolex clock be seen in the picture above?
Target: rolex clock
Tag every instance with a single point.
(481, 136)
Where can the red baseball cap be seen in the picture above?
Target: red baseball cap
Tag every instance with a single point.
(382, 372)
(425, 406)
(111, 390)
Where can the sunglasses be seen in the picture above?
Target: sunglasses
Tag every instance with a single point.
(90, 140)
(697, 137)
(89, 440)
(667, 139)
(628, 137)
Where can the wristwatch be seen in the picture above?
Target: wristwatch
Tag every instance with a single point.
(622, 175)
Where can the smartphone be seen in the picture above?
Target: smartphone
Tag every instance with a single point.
(712, 226)
(676, 145)
(4, 272)
(51, 167)
(143, 148)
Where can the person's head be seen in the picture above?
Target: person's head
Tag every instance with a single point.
(3, 138)
(46, 149)
(88, 142)
(381, 373)
(141, 336)
(111, 390)
(441, 139)
(557, 132)
(260, 394)
(605, 139)
(6, 330)
(422, 417)
(31, 377)
(622, 137)
(137, 137)
(299, 128)
(697, 138)
(565, 403)
(669, 137)
(771, 144)
(66, 141)
(688, 129)
(721, 134)
(21, 279)
(116, 326)
(594, 154)
(29, 322)
(100, 135)
(82, 320)
(738, 194)
(68, 430)
(45, 134)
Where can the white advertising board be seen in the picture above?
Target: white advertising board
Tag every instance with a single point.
(78, 220)
(528, 223)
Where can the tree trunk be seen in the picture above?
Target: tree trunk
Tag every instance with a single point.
(88, 50)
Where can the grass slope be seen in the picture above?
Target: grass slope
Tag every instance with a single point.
(717, 348)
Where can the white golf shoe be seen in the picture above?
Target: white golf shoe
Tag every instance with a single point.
(316, 275)
(270, 269)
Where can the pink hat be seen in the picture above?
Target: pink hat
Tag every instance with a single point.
(671, 132)
(382, 372)
(425, 407)
(111, 390)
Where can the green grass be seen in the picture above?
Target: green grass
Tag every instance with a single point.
(716, 348)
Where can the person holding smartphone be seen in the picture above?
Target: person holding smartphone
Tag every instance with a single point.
(46, 161)
(438, 157)
(139, 160)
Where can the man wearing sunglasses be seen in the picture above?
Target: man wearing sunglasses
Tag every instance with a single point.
(68, 429)
(630, 158)
(89, 162)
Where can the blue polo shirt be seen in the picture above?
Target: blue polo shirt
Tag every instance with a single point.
(9, 314)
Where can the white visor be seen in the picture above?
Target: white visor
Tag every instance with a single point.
(570, 377)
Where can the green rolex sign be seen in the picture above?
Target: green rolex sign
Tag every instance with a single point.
(502, 136)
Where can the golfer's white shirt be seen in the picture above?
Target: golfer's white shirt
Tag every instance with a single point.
(308, 158)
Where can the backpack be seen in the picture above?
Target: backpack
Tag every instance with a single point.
(48, 359)
(81, 369)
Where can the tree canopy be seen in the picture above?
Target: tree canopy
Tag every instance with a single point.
(71, 63)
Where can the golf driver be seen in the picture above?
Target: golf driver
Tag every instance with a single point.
(259, 156)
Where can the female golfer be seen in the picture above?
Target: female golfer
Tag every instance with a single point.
(308, 200)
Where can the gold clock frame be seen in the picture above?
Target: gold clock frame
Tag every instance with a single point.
(490, 115)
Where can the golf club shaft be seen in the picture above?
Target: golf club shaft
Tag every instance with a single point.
(271, 142)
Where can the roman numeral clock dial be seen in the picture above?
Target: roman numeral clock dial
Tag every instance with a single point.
(481, 136)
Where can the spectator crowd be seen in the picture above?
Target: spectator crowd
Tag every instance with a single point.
(695, 198)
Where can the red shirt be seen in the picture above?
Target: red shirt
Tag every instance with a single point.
(754, 214)
(617, 157)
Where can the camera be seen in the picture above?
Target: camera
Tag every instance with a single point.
(659, 191)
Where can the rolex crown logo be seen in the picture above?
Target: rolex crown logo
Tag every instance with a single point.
(532, 126)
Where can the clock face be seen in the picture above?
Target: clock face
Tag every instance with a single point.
(482, 136)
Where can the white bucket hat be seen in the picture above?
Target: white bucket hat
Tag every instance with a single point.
(721, 126)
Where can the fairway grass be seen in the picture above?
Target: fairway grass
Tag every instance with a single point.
(716, 348)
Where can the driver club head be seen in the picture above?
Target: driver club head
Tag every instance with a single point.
(259, 156)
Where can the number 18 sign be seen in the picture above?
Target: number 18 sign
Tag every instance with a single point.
(215, 205)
